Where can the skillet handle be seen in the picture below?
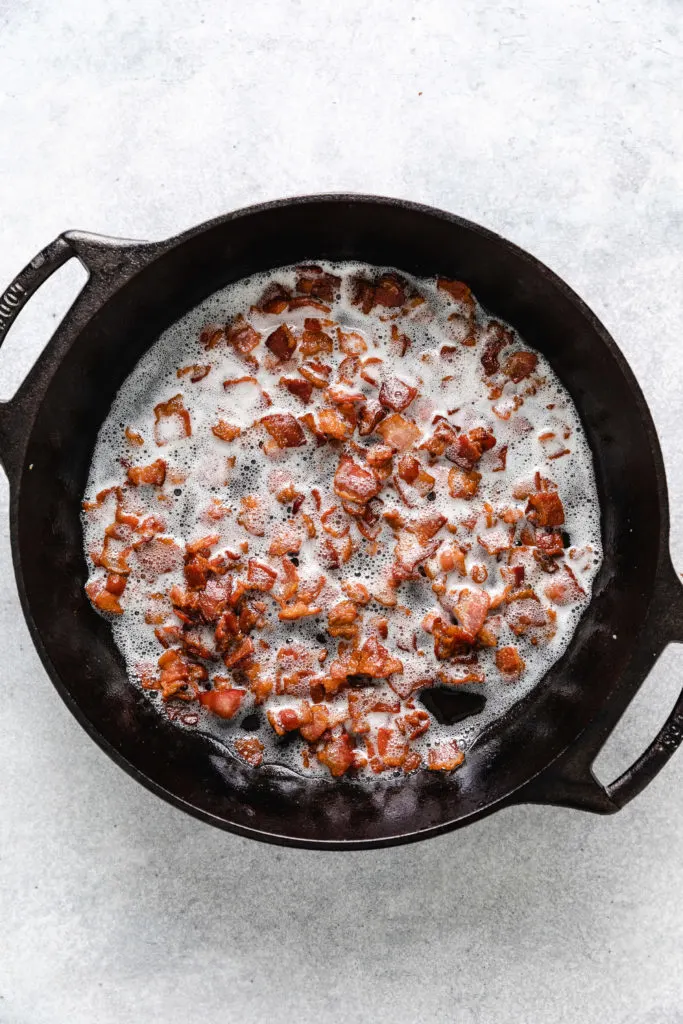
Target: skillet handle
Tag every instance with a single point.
(29, 280)
(569, 781)
(109, 262)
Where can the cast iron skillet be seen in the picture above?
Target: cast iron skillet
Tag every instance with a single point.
(543, 748)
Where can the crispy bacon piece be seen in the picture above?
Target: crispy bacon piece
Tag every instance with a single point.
(400, 433)
(496, 339)
(224, 703)
(391, 747)
(445, 757)
(300, 388)
(457, 290)
(243, 338)
(400, 342)
(471, 610)
(520, 365)
(275, 298)
(298, 610)
(509, 661)
(341, 620)
(337, 755)
(226, 431)
(132, 436)
(354, 483)
(286, 541)
(211, 335)
(319, 723)
(284, 429)
(333, 425)
(463, 483)
(281, 342)
(243, 650)
(525, 613)
(103, 598)
(252, 515)
(314, 339)
(250, 749)
(452, 559)
(195, 372)
(316, 373)
(289, 719)
(173, 408)
(154, 473)
(374, 660)
(395, 394)
(313, 280)
(564, 588)
(545, 509)
(369, 415)
(550, 544)
(351, 343)
(356, 592)
(260, 576)
(335, 522)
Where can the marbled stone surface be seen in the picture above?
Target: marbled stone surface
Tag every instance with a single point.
(557, 124)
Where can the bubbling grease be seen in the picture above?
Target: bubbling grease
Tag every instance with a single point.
(201, 459)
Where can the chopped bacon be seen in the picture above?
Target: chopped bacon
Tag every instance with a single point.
(195, 371)
(452, 558)
(457, 290)
(154, 473)
(520, 365)
(545, 509)
(298, 610)
(103, 598)
(210, 336)
(445, 757)
(400, 342)
(391, 747)
(337, 755)
(355, 591)
(133, 437)
(373, 659)
(243, 338)
(331, 424)
(400, 433)
(395, 394)
(354, 483)
(252, 515)
(341, 620)
(369, 415)
(496, 339)
(250, 749)
(302, 389)
(243, 650)
(226, 431)
(284, 429)
(564, 588)
(314, 339)
(319, 723)
(312, 280)
(351, 343)
(289, 719)
(471, 610)
(316, 373)
(335, 522)
(224, 704)
(286, 541)
(463, 483)
(525, 613)
(260, 576)
(281, 342)
(174, 408)
(509, 661)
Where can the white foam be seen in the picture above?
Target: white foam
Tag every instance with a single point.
(201, 458)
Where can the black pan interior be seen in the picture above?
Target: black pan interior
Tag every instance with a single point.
(77, 643)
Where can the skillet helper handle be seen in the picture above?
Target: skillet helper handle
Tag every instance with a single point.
(631, 782)
(569, 781)
(29, 280)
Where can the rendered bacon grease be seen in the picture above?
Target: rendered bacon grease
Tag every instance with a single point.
(328, 493)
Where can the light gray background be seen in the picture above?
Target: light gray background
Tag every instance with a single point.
(557, 124)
